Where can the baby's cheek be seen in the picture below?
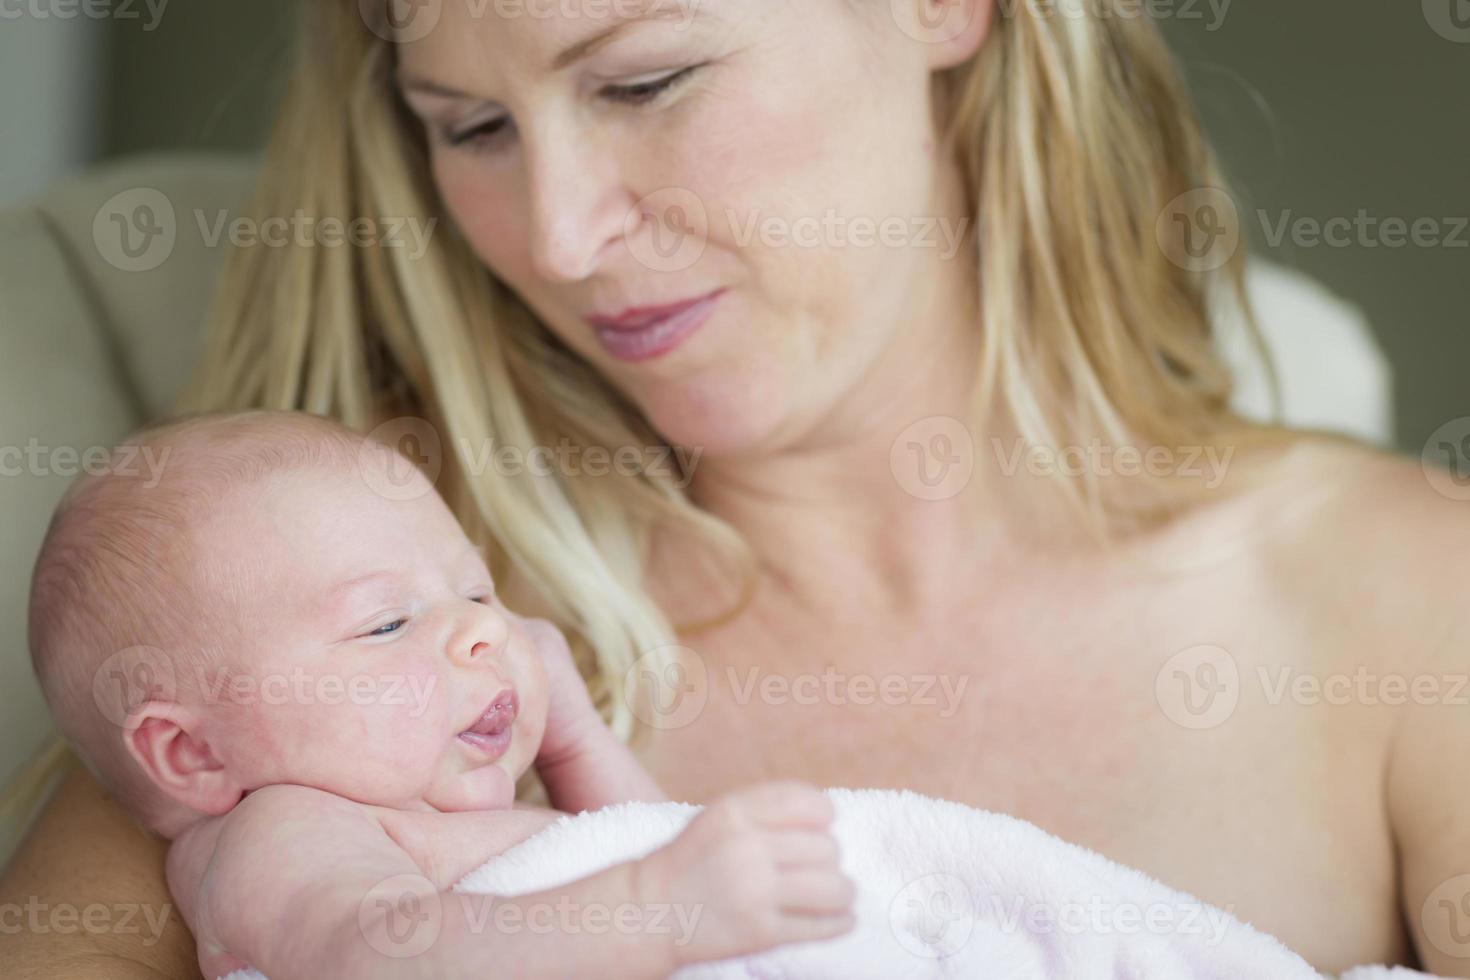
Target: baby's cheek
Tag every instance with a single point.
(528, 677)
(391, 749)
(407, 715)
(532, 692)
(270, 739)
(531, 728)
(413, 690)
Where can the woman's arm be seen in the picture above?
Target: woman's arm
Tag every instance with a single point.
(1423, 582)
(87, 896)
(1429, 806)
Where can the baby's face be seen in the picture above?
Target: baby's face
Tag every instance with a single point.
(373, 659)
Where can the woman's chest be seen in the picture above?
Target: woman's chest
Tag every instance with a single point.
(1186, 752)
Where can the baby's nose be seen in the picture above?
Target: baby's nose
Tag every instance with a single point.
(471, 652)
(480, 639)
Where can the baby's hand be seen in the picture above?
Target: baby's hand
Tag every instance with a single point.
(758, 868)
(581, 762)
(570, 717)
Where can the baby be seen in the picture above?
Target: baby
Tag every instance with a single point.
(284, 655)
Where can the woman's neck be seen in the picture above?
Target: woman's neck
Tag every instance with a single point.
(885, 499)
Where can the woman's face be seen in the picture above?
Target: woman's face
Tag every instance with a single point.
(773, 160)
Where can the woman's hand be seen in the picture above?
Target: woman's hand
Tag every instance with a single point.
(92, 900)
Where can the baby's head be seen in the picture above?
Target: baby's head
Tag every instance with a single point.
(279, 600)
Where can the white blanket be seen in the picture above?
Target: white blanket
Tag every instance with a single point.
(944, 890)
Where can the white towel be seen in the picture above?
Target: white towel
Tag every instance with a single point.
(944, 891)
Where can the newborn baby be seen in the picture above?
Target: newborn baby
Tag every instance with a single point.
(285, 656)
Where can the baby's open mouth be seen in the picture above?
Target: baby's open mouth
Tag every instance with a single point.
(491, 732)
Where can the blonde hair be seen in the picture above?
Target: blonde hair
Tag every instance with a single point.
(1072, 131)
(1076, 135)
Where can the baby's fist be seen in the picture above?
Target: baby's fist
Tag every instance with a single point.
(570, 717)
(759, 868)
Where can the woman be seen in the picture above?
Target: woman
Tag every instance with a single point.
(976, 521)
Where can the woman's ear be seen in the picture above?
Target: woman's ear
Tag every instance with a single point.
(952, 30)
(166, 740)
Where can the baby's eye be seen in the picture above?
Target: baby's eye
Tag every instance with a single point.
(387, 628)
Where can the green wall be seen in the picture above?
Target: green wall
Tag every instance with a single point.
(1325, 109)
(207, 76)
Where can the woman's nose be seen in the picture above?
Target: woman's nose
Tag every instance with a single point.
(578, 205)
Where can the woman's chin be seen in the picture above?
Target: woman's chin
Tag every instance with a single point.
(706, 423)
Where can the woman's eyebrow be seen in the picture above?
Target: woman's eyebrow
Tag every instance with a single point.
(589, 45)
(407, 83)
(585, 48)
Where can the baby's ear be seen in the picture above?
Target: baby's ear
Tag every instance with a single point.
(167, 742)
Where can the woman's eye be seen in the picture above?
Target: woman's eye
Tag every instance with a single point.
(479, 133)
(387, 628)
(640, 93)
(644, 92)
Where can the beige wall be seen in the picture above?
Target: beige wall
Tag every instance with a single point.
(1321, 108)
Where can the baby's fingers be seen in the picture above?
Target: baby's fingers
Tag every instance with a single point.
(816, 893)
(812, 849)
(814, 928)
(784, 804)
(549, 641)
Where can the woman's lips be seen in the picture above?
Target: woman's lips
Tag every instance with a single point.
(643, 334)
(491, 732)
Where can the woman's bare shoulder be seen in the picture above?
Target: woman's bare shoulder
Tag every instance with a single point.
(1363, 501)
(1381, 538)
(84, 854)
(1386, 554)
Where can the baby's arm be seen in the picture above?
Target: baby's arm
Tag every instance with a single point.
(581, 763)
(300, 883)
